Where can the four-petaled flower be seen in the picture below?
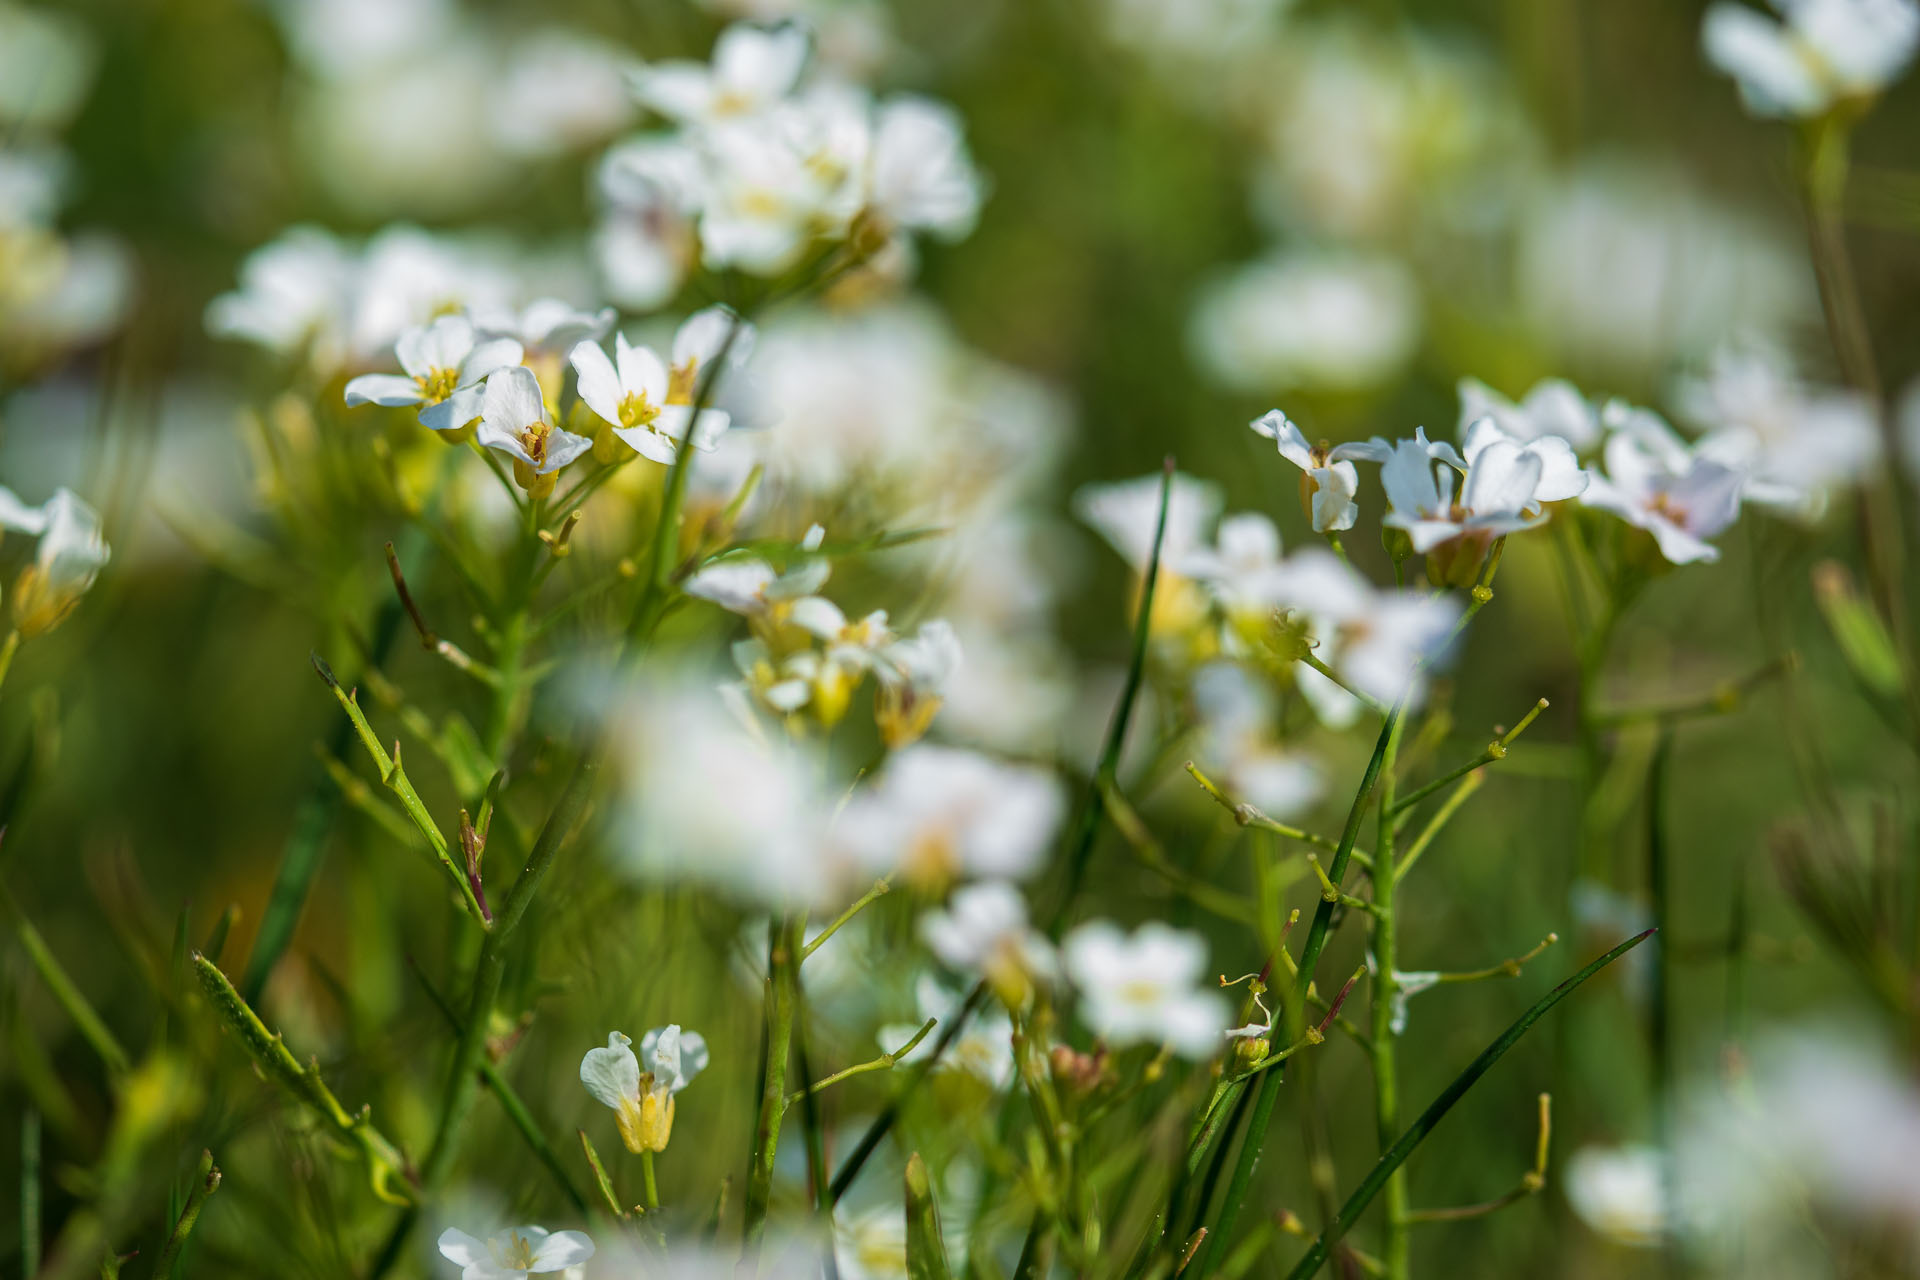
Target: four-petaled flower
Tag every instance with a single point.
(516, 1253)
(1328, 479)
(639, 398)
(642, 1101)
(445, 364)
(1655, 482)
(752, 69)
(514, 420)
(1825, 51)
(1140, 989)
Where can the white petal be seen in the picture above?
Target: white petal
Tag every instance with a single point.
(383, 388)
(1503, 480)
(490, 357)
(598, 383)
(462, 1249)
(640, 370)
(562, 1249)
(819, 615)
(456, 411)
(18, 516)
(613, 1073)
(1561, 476)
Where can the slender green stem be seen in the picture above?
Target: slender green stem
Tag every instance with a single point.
(879, 890)
(884, 1062)
(647, 1184)
(8, 648)
(510, 1100)
(1269, 1093)
(783, 945)
(1386, 1088)
(1443, 815)
(1417, 1133)
(1248, 815)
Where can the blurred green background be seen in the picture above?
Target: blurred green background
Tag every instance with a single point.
(163, 737)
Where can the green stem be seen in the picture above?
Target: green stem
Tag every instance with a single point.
(647, 1184)
(1386, 1088)
(783, 942)
(91, 1026)
(1316, 941)
(1397, 1155)
(206, 1181)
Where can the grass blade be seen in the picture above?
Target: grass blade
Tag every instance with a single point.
(1397, 1154)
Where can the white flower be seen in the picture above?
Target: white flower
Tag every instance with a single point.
(1619, 1192)
(752, 69)
(1825, 51)
(642, 1101)
(1333, 322)
(1793, 443)
(546, 326)
(634, 392)
(1242, 570)
(1498, 495)
(922, 178)
(1560, 474)
(914, 674)
(293, 291)
(1236, 715)
(513, 419)
(69, 556)
(515, 1254)
(445, 365)
(984, 1047)
(984, 931)
(752, 589)
(1328, 480)
(1553, 407)
(645, 243)
(1140, 989)
(764, 202)
(1655, 482)
(944, 812)
(1379, 641)
(707, 801)
(1126, 512)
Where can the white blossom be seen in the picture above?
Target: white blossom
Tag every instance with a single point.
(1821, 52)
(1237, 715)
(514, 420)
(1378, 641)
(1619, 1192)
(752, 68)
(1126, 512)
(516, 1253)
(642, 1099)
(1498, 495)
(68, 557)
(983, 931)
(1329, 480)
(1655, 482)
(445, 364)
(1322, 322)
(1242, 570)
(635, 393)
(982, 1048)
(652, 188)
(939, 813)
(1141, 988)
(921, 177)
(1552, 407)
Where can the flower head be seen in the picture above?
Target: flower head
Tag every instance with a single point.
(921, 176)
(1655, 482)
(514, 420)
(1554, 407)
(1140, 988)
(642, 1100)
(69, 556)
(1824, 51)
(984, 931)
(514, 1254)
(445, 363)
(752, 69)
(1328, 480)
(938, 813)
(1619, 1192)
(636, 395)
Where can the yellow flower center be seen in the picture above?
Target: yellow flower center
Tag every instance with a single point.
(636, 410)
(515, 1254)
(533, 438)
(437, 384)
